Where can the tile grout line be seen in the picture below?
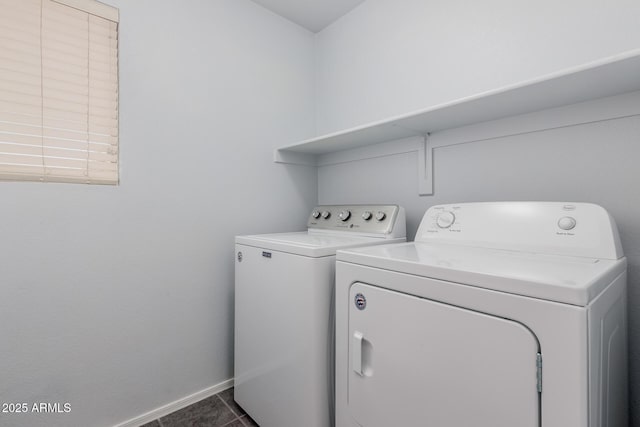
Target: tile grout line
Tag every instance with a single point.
(242, 421)
(233, 421)
(238, 417)
(228, 406)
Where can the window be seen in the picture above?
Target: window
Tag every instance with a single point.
(58, 91)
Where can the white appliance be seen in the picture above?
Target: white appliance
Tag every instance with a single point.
(498, 315)
(283, 312)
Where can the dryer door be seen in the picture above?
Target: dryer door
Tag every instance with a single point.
(417, 362)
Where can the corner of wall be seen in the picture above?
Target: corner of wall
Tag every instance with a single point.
(316, 82)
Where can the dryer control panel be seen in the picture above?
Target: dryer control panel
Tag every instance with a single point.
(576, 229)
(380, 220)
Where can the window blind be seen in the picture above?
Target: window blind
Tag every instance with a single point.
(58, 91)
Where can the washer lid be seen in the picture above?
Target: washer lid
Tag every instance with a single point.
(309, 244)
(566, 279)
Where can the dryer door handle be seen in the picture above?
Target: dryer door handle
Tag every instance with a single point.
(356, 348)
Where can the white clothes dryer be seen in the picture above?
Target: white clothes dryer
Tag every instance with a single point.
(499, 315)
(283, 312)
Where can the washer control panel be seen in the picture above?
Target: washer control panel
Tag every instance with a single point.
(377, 219)
(580, 229)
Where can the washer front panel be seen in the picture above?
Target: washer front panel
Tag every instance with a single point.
(281, 336)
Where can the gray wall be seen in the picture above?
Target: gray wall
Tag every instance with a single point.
(120, 299)
(388, 58)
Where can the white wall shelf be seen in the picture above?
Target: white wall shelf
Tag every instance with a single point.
(607, 77)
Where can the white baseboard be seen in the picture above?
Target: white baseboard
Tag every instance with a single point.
(177, 404)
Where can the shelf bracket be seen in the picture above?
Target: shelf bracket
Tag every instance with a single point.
(425, 167)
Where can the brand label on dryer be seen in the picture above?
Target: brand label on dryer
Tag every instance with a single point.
(360, 301)
(266, 254)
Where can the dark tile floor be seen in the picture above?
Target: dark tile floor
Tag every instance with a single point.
(216, 411)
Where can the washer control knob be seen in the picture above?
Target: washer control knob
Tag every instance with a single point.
(445, 219)
(315, 214)
(567, 223)
(326, 214)
(344, 215)
(366, 215)
(380, 216)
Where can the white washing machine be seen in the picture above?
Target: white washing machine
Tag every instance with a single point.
(283, 312)
(498, 315)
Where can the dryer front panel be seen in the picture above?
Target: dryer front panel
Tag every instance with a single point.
(417, 362)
